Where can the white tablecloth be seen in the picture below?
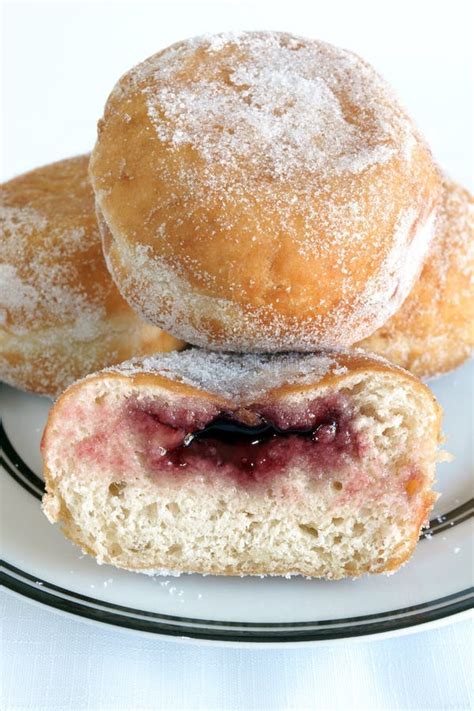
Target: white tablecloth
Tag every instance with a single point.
(54, 662)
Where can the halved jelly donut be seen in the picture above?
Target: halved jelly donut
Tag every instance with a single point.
(217, 463)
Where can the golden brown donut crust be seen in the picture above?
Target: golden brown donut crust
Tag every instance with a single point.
(246, 240)
(61, 315)
(433, 332)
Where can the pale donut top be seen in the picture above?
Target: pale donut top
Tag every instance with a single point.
(282, 105)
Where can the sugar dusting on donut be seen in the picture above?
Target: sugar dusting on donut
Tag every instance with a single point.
(39, 283)
(242, 375)
(453, 246)
(235, 375)
(61, 315)
(266, 167)
(263, 328)
(432, 332)
(281, 109)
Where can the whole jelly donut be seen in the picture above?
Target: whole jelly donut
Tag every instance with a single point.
(433, 331)
(203, 462)
(61, 315)
(262, 192)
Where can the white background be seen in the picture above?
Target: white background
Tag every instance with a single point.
(59, 62)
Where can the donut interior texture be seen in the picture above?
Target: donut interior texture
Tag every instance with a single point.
(196, 462)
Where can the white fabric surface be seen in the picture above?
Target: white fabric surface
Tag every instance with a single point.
(54, 662)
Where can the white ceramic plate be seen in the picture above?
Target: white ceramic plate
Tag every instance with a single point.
(42, 565)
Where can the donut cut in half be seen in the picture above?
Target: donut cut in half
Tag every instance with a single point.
(200, 462)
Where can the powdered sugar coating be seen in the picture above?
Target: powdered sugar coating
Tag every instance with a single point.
(42, 258)
(61, 315)
(453, 245)
(146, 280)
(282, 109)
(433, 330)
(236, 376)
(240, 175)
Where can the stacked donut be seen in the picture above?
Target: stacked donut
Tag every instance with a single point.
(265, 198)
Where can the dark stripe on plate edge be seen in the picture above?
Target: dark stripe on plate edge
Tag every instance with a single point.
(31, 579)
(35, 486)
(238, 632)
(15, 459)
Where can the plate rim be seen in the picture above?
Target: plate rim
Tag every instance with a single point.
(79, 605)
(274, 644)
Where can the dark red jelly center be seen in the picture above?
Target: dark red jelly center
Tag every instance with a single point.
(237, 433)
(246, 452)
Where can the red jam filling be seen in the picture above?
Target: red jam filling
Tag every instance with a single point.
(319, 435)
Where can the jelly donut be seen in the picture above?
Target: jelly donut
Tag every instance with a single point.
(61, 315)
(262, 192)
(433, 331)
(204, 462)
